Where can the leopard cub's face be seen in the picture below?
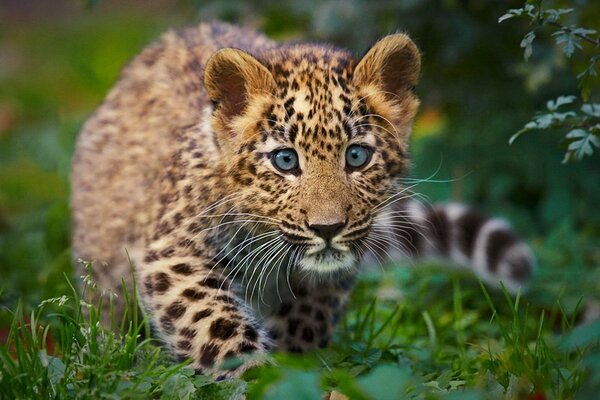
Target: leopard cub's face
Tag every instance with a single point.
(314, 141)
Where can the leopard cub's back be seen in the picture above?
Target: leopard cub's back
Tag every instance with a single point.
(126, 144)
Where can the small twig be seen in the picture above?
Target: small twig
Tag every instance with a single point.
(595, 42)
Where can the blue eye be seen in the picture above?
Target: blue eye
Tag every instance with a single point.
(358, 156)
(285, 160)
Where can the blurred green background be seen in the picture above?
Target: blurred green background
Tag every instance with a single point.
(59, 58)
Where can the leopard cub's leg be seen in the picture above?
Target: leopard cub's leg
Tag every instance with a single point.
(307, 320)
(197, 315)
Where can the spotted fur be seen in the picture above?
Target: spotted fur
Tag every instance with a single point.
(234, 256)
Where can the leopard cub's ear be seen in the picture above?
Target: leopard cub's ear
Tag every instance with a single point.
(231, 78)
(392, 66)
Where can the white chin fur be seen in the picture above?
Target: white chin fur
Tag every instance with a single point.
(330, 263)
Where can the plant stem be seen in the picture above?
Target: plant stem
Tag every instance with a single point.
(595, 42)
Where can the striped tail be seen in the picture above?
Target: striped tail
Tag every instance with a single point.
(458, 233)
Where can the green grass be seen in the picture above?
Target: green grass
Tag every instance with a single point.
(422, 334)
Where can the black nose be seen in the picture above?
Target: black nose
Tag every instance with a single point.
(328, 231)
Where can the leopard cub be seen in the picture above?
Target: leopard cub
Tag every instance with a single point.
(249, 181)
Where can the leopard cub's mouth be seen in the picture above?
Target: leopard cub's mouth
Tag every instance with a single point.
(325, 252)
(327, 259)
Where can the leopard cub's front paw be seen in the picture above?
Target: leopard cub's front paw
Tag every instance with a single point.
(229, 357)
(233, 365)
(236, 366)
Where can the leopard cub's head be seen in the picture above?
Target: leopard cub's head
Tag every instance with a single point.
(313, 140)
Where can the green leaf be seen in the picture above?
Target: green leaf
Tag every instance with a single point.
(531, 125)
(518, 12)
(553, 105)
(527, 43)
(372, 357)
(55, 367)
(505, 17)
(222, 390)
(387, 382)
(583, 31)
(296, 385)
(593, 110)
(544, 121)
(553, 15)
(582, 336)
(581, 144)
(178, 386)
(568, 40)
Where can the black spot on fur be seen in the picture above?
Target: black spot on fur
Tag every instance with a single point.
(168, 252)
(250, 333)
(208, 353)
(184, 345)
(202, 314)
(183, 269)
(148, 285)
(194, 228)
(497, 243)
(247, 347)
(319, 316)
(193, 294)
(274, 334)
(410, 238)
(185, 243)
(293, 132)
(295, 349)
(223, 329)
(347, 129)
(151, 256)
(322, 329)
(468, 226)
(226, 299)
(284, 309)
(188, 333)
(210, 282)
(175, 310)
(289, 110)
(520, 268)
(166, 324)
(440, 228)
(161, 282)
(305, 309)
(308, 335)
(293, 326)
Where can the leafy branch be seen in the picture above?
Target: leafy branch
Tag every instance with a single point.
(583, 124)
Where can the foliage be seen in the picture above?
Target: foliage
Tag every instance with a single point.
(405, 343)
(584, 127)
(89, 360)
(584, 124)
